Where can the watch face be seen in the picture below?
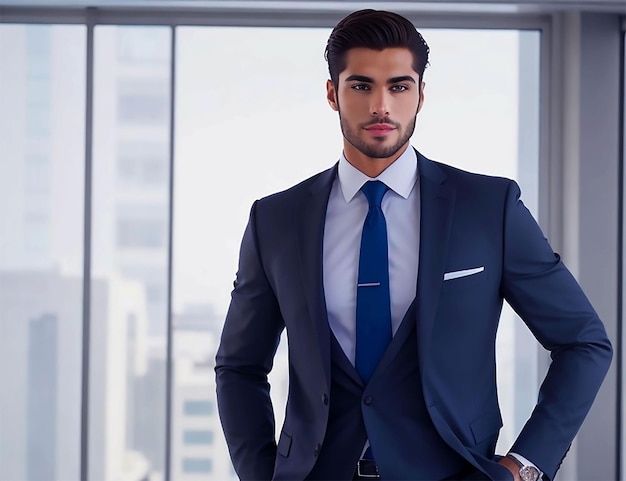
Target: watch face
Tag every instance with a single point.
(529, 473)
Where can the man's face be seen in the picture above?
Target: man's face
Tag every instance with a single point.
(378, 97)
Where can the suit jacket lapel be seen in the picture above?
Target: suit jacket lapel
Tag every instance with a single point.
(437, 199)
(437, 206)
(310, 224)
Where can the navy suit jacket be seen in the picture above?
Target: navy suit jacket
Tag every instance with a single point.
(467, 221)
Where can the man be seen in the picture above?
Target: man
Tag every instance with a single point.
(388, 272)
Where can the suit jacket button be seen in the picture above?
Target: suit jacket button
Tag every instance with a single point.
(325, 399)
(368, 400)
(316, 452)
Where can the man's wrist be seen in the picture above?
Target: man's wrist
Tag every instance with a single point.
(511, 465)
(528, 471)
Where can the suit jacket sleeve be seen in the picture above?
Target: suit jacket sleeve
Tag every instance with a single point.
(245, 356)
(546, 296)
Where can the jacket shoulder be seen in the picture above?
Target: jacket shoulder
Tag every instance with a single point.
(469, 186)
(461, 176)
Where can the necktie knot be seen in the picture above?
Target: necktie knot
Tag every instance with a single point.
(374, 190)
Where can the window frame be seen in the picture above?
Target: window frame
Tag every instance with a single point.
(551, 24)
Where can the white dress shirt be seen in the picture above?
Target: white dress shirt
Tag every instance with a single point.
(347, 208)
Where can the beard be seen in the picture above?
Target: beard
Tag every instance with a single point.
(377, 151)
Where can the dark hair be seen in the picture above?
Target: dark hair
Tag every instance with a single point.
(376, 30)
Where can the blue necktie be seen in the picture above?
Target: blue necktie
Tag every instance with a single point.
(373, 310)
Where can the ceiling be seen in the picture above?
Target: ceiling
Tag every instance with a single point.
(449, 6)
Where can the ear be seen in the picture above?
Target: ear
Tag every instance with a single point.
(331, 95)
(420, 104)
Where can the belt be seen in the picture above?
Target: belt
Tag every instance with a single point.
(366, 469)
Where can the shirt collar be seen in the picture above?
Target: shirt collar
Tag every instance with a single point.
(400, 176)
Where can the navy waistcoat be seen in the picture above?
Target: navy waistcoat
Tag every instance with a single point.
(390, 412)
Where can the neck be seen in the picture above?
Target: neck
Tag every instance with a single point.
(370, 166)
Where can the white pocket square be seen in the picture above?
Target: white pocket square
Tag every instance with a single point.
(448, 276)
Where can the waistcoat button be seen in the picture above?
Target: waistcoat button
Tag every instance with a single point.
(316, 452)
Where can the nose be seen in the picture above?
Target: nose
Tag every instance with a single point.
(379, 106)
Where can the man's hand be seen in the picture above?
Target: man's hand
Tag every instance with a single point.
(511, 466)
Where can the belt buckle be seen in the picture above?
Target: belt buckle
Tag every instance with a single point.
(363, 475)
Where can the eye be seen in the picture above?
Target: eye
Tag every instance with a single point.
(360, 87)
(399, 88)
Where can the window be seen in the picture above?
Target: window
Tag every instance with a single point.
(140, 233)
(197, 465)
(143, 163)
(36, 232)
(155, 293)
(39, 41)
(38, 88)
(43, 387)
(37, 121)
(38, 81)
(199, 408)
(150, 46)
(37, 174)
(198, 437)
(143, 98)
(142, 108)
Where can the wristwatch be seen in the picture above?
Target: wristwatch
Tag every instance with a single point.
(527, 473)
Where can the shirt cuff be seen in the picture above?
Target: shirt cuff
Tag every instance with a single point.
(526, 462)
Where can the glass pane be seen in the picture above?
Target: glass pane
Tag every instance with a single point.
(130, 252)
(42, 155)
(252, 119)
(226, 157)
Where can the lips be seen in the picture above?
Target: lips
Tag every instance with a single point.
(379, 129)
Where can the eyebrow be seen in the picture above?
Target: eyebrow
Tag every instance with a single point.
(392, 80)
